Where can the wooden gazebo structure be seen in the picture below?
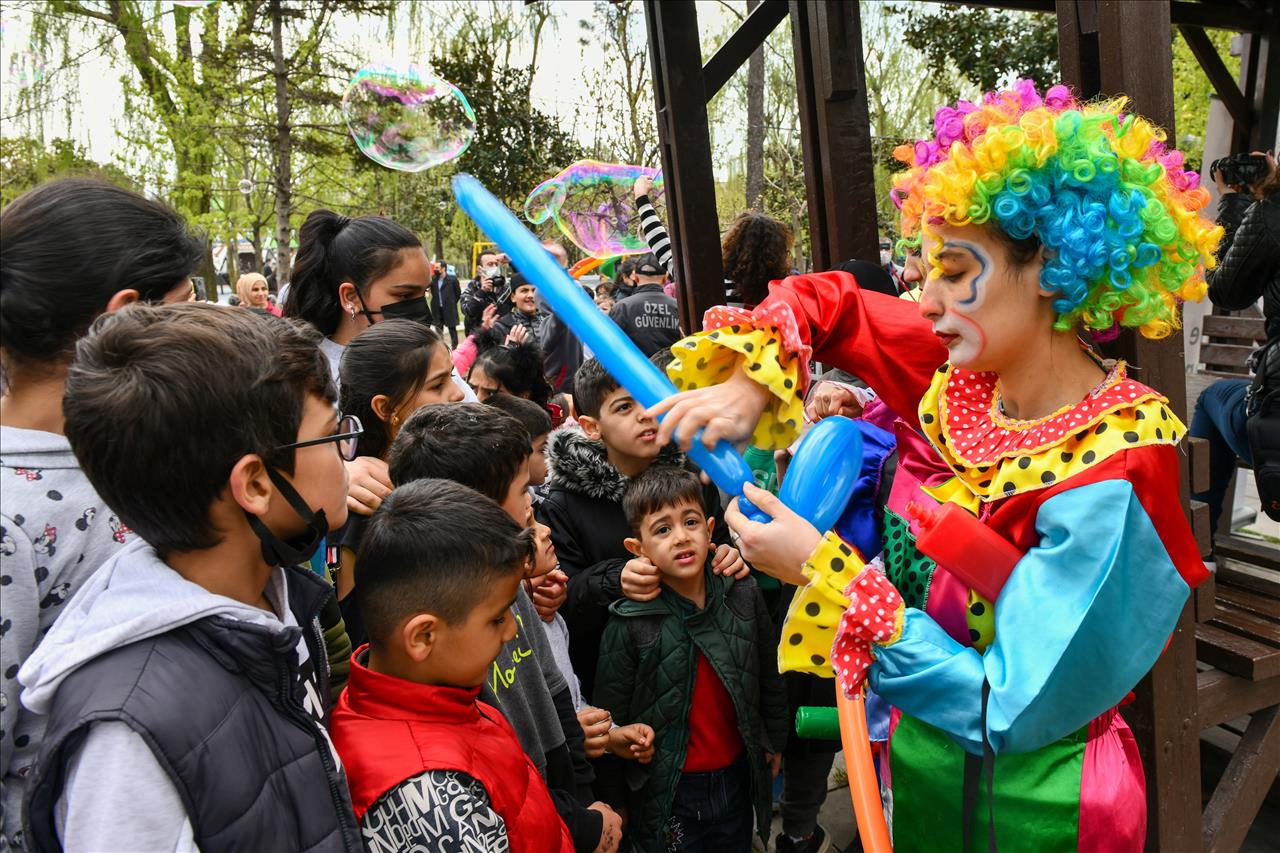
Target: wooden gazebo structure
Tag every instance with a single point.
(1105, 47)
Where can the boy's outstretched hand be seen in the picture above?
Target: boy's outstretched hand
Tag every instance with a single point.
(634, 741)
(595, 724)
(611, 831)
(728, 562)
(640, 580)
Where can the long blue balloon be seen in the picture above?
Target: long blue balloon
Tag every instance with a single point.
(821, 479)
(607, 341)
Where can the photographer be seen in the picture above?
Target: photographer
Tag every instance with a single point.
(1239, 417)
(487, 288)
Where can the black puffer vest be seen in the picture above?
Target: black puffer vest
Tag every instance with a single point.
(220, 704)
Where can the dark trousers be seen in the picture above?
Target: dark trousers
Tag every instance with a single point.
(1220, 419)
(712, 812)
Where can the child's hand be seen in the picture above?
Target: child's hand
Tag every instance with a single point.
(640, 580)
(611, 831)
(595, 724)
(367, 484)
(643, 184)
(634, 741)
(774, 761)
(728, 562)
(548, 593)
(489, 316)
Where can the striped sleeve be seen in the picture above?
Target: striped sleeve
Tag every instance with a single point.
(654, 233)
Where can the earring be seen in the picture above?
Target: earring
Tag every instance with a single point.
(353, 311)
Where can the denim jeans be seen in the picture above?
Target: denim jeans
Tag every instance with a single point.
(1220, 419)
(712, 812)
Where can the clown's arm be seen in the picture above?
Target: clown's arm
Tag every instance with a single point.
(1081, 619)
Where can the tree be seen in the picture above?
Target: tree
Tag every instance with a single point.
(987, 47)
(622, 79)
(26, 163)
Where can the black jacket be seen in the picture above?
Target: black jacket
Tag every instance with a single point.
(583, 508)
(445, 293)
(474, 301)
(561, 349)
(649, 317)
(220, 703)
(1249, 258)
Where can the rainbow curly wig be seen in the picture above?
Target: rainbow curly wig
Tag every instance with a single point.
(1096, 186)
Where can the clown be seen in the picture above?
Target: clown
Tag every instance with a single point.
(1040, 220)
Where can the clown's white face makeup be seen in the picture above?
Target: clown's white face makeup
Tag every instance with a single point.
(984, 310)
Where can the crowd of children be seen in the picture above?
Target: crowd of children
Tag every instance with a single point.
(429, 680)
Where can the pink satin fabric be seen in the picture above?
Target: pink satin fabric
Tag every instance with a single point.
(1113, 792)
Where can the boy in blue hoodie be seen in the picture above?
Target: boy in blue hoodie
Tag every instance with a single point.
(191, 664)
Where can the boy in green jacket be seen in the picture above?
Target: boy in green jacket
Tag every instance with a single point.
(697, 664)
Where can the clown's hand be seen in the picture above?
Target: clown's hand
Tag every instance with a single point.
(873, 618)
(729, 410)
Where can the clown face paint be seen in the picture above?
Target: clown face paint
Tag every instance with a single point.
(981, 309)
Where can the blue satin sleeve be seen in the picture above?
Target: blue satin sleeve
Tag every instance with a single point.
(1083, 616)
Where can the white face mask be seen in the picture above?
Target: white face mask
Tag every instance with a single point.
(885, 257)
(489, 272)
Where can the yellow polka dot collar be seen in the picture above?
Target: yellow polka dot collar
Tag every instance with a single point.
(995, 456)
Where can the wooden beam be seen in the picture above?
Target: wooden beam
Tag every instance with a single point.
(1218, 15)
(1221, 696)
(1223, 81)
(675, 56)
(1248, 777)
(835, 131)
(746, 40)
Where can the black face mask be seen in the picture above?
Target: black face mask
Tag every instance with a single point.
(297, 550)
(416, 310)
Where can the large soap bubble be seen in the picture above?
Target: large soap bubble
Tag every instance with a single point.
(593, 205)
(404, 117)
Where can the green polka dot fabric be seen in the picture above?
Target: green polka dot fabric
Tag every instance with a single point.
(907, 569)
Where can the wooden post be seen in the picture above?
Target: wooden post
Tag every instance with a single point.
(835, 131)
(1109, 47)
(679, 91)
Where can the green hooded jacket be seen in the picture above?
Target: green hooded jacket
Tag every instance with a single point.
(648, 660)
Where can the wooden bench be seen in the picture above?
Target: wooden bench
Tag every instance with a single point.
(1237, 635)
(1227, 341)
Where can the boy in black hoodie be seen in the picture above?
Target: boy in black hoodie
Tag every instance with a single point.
(589, 469)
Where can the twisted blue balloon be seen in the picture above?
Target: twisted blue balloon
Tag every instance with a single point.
(819, 482)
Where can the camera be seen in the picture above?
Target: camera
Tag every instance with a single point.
(1239, 169)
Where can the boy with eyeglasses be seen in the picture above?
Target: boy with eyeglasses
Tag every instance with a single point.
(191, 664)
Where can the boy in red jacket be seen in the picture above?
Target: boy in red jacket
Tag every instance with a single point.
(429, 765)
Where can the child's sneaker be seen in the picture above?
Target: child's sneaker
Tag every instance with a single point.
(819, 842)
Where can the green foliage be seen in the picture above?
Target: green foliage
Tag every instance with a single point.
(26, 163)
(986, 47)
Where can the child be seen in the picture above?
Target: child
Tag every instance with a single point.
(589, 470)
(56, 531)
(696, 663)
(191, 662)
(488, 450)
(430, 766)
(389, 371)
(537, 421)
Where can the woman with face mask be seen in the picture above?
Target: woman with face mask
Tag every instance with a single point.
(350, 273)
(1042, 222)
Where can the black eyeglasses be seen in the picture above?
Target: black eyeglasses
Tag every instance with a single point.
(347, 437)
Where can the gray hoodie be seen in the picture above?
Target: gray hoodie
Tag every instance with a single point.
(54, 532)
(133, 596)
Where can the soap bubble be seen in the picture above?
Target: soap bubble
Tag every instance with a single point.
(592, 204)
(26, 67)
(404, 117)
(245, 186)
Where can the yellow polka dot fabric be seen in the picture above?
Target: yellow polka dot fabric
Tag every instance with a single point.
(708, 358)
(980, 615)
(1037, 454)
(814, 615)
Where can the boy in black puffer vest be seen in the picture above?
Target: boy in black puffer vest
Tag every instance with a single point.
(697, 664)
(589, 469)
(191, 663)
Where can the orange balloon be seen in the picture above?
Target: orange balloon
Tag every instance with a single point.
(864, 788)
